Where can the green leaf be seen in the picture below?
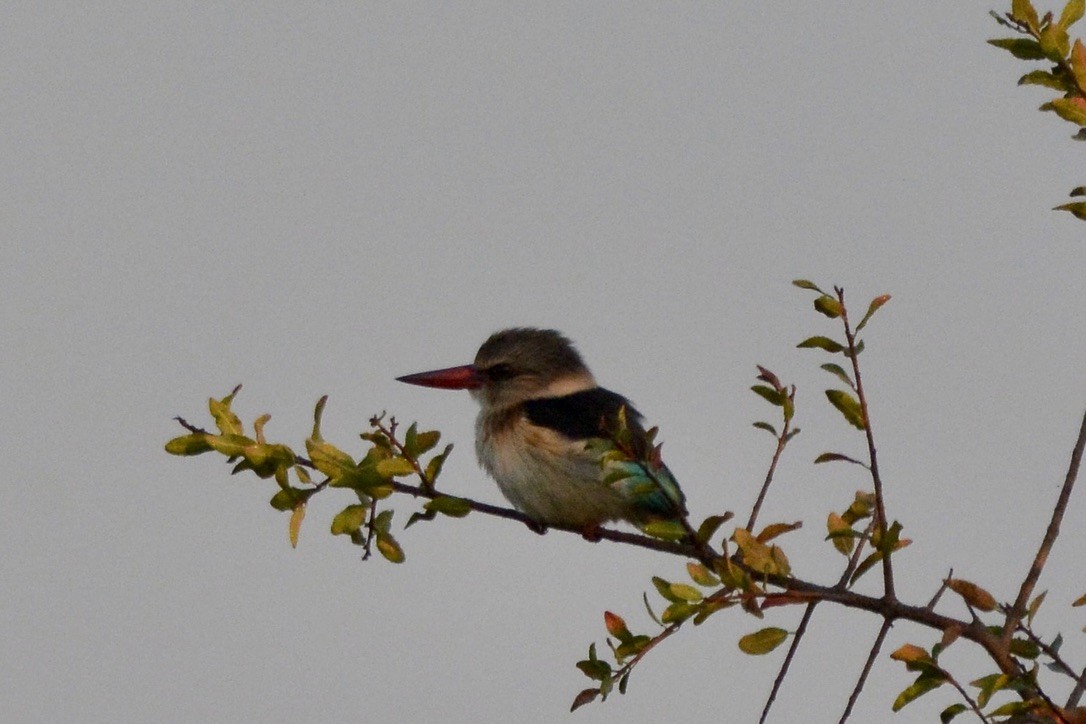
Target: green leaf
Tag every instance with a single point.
(839, 372)
(701, 575)
(848, 406)
(828, 457)
(686, 592)
(433, 468)
(772, 396)
(762, 641)
(865, 566)
(289, 498)
(1043, 78)
(1054, 43)
(1034, 606)
(663, 587)
(766, 426)
(1069, 109)
(450, 506)
(664, 529)
(328, 458)
(952, 711)
(1072, 13)
(804, 284)
(820, 342)
(989, 685)
(395, 467)
(296, 517)
(349, 520)
(230, 445)
(1077, 209)
(227, 422)
(841, 533)
(389, 548)
(710, 525)
(1023, 11)
(679, 612)
(1021, 48)
(1024, 648)
(876, 303)
(828, 306)
(923, 684)
(419, 443)
(193, 444)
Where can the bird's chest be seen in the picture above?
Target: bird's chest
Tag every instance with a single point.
(545, 475)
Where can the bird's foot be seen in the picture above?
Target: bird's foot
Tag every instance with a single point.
(591, 532)
(536, 527)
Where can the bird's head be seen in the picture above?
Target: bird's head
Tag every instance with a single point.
(512, 366)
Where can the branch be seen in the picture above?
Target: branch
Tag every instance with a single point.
(880, 502)
(1018, 610)
(875, 648)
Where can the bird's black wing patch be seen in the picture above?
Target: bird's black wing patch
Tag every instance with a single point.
(581, 415)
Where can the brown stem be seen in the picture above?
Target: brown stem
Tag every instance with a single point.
(875, 648)
(876, 479)
(1018, 610)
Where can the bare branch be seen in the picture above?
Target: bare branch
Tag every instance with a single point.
(1018, 610)
(875, 648)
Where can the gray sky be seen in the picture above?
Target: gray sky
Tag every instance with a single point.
(314, 198)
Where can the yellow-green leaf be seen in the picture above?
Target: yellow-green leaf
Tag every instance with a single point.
(777, 529)
(1023, 11)
(1054, 43)
(1077, 209)
(395, 467)
(1043, 78)
(227, 422)
(912, 654)
(686, 592)
(389, 548)
(1069, 109)
(973, 594)
(193, 444)
(450, 506)
(349, 519)
(1072, 13)
(872, 308)
(762, 641)
(828, 306)
(840, 533)
(918, 688)
(848, 406)
(821, 342)
(701, 575)
(665, 529)
(1021, 48)
(295, 526)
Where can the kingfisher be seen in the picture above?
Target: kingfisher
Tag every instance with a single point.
(540, 412)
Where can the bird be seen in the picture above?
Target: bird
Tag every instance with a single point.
(540, 411)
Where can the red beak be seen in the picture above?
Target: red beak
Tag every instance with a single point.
(465, 377)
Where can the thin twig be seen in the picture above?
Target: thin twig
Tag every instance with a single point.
(786, 664)
(1018, 610)
(875, 648)
(880, 501)
(782, 440)
(853, 562)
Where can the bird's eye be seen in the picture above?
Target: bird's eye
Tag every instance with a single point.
(500, 371)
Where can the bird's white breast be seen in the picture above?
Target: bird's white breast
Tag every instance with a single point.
(546, 476)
